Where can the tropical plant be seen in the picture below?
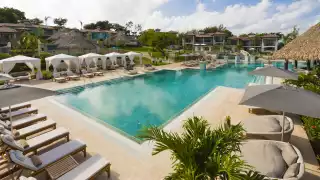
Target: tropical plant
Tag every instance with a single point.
(202, 153)
(35, 21)
(46, 75)
(46, 18)
(28, 42)
(60, 21)
(291, 36)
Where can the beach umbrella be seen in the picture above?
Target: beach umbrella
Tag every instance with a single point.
(274, 72)
(283, 98)
(20, 94)
(5, 77)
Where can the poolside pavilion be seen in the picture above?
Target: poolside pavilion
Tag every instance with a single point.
(305, 47)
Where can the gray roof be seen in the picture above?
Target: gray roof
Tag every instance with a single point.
(71, 40)
(22, 94)
(283, 98)
(274, 72)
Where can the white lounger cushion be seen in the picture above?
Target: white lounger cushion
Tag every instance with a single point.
(26, 120)
(19, 112)
(87, 169)
(267, 123)
(16, 106)
(38, 140)
(49, 157)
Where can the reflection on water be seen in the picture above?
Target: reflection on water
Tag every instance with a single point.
(154, 99)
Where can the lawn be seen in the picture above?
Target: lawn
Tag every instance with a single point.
(137, 49)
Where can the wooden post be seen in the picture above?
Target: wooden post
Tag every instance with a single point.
(286, 64)
(308, 65)
(296, 64)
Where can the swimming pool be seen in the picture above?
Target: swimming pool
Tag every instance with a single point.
(128, 104)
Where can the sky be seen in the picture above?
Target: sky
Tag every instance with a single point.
(239, 16)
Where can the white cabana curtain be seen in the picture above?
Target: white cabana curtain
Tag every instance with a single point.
(57, 59)
(9, 63)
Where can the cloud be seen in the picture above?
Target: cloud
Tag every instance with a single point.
(264, 16)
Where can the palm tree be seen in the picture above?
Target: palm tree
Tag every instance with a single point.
(46, 18)
(202, 153)
(81, 24)
(29, 42)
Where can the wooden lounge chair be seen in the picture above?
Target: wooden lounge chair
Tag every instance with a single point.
(23, 122)
(20, 112)
(15, 107)
(96, 72)
(86, 74)
(58, 78)
(37, 142)
(72, 76)
(89, 169)
(48, 158)
(29, 130)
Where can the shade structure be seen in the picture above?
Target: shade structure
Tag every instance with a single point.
(91, 57)
(304, 47)
(8, 64)
(57, 59)
(274, 72)
(5, 77)
(132, 55)
(114, 55)
(283, 98)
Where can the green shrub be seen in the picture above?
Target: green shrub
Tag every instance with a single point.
(46, 75)
(1, 82)
(312, 127)
(4, 55)
(43, 56)
(145, 60)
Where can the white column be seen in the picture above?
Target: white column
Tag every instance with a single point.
(262, 46)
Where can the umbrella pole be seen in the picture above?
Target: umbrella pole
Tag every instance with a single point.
(283, 120)
(10, 116)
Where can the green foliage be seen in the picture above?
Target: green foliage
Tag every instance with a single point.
(35, 21)
(312, 127)
(46, 75)
(43, 56)
(60, 21)
(201, 152)
(145, 60)
(291, 36)
(2, 82)
(220, 28)
(104, 25)
(29, 42)
(4, 55)
(11, 15)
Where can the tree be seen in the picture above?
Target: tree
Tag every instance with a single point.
(137, 29)
(11, 15)
(35, 21)
(103, 25)
(291, 36)
(202, 153)
(81, 24)
(46, 18)
(60, 21)
(220, 28)
(128, 27)
(29, 42)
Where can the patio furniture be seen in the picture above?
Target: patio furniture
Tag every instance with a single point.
(33, 144)
(61, 167)
(20, 76)
(96, 72)
(15, 107)
(58, 78)
(88, 169)
(48, 158)
(275, 159)
(29, 130)
(23, 122)
(20, 112)
(149, 67)
(131, 72)
(268, 127)
(86, 74)
(72, 76)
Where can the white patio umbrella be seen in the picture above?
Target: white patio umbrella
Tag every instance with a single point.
(88, 58)
(274, 72)
(283, 98)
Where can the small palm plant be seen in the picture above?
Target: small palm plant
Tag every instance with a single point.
(202, 153)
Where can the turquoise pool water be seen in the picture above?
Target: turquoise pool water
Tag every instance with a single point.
(128, 104)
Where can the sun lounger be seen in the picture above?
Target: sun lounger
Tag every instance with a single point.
(48, 158)
(275, 159)
(132, 72)
(15, 107)
(29, 130)
(37, 142)
(268, 127)
(86, 74)
(57, 77)
(88, 169)
(27, 178)
(23, 122)
(96, 72)
(20, 112)
(72, 76)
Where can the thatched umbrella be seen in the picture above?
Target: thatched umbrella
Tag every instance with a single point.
(304, 47)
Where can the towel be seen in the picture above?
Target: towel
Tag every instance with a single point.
(15, 133)
(36, 160)
(8, 138)
(19, 155)
(2, 129)
(23, 143)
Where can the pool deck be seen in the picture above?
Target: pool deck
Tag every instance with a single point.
(132, 161)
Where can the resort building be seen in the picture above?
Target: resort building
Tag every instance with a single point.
(264, 43)
(200, 41)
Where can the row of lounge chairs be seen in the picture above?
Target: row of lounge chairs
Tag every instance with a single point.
(65, 76)
(33, 132)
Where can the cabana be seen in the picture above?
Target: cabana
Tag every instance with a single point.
(92, 57)
(8, 64)
(132, 55)
(57, 59)
(113, 57)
